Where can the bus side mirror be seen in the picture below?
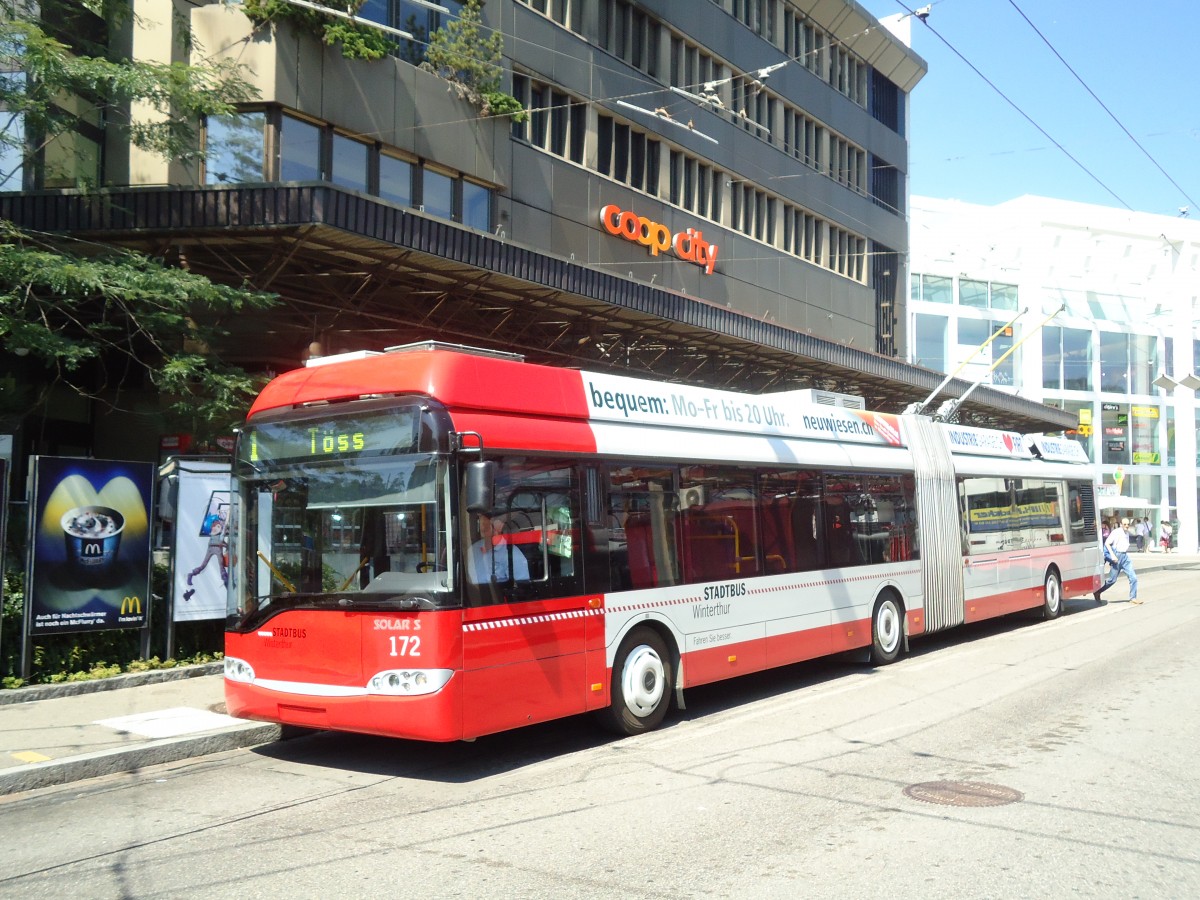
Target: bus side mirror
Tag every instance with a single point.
(481, 486)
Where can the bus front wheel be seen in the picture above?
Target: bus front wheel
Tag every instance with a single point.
(887, 630)
(641, 683)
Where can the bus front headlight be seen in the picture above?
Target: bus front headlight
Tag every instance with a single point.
(238, 670)
(408, 682)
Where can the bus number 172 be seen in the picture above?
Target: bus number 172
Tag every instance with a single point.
(405, 645)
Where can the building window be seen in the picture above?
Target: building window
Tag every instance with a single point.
(1114, 420)
(802, 234)
(568, 13)
(1143, 363)
(12, 155)
(693, 68)
(299, 150)
(972, 335)
(757, 15)
(847, 253)
(557, 122)
(627, 155)
(310, 151)
(233, 148)
(933, 288)
(929, 341)
(417, 20)
(630, 35)
(437, 193)
(395, 180)
(972, 293)
(1143, 425)
(986, 295)
(1003, 296)
(1066, 358)
(1076, 359)
(476, 206)
(13, 147)
(1082, 434)
(802, 138)
(350, 159)
(1114, 363)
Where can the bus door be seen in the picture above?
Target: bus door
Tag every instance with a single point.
(528, 622)
(987, 510)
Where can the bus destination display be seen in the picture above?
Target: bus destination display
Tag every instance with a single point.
(335, 438)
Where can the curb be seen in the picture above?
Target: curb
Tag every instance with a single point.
(35, 692)
(131, 759)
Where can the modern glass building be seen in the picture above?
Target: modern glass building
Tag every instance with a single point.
(1102, 308)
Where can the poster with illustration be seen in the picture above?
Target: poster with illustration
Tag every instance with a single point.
(201, 548)
(89, 566)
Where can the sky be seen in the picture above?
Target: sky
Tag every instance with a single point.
(1139, 57)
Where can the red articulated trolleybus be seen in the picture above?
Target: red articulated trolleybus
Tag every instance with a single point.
(440, 543)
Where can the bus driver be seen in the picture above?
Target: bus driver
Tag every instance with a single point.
(490, 554)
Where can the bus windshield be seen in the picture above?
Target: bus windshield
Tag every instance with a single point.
(361, 532)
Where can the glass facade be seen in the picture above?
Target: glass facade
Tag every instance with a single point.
(1099, 364)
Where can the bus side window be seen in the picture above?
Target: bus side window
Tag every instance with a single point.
(643, 527)
(791, 523)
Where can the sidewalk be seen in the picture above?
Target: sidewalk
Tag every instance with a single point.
(54, 734)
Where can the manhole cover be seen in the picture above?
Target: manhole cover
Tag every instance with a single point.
(963, 793)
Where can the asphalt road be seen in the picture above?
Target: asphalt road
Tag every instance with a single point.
(812, 781)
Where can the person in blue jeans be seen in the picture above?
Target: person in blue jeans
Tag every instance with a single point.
(1118, 542)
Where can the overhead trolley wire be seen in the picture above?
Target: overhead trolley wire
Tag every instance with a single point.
(1111, 114)
(1028, 118)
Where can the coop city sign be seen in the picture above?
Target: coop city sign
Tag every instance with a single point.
(688, 245)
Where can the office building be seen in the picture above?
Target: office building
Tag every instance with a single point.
(711, 191)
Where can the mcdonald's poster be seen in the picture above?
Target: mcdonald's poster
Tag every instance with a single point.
(89, 566)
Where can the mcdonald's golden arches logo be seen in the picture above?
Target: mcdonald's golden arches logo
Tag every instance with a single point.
(131, 606)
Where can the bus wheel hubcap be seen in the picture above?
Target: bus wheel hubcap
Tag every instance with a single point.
(888, 626)
(643, 681)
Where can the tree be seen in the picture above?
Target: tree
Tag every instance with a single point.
(94, 315)
(358, 41)
(58, 79)
(472, 62)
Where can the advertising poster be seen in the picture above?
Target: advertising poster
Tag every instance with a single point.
(89, 565)
(3, 528)
(201, 552)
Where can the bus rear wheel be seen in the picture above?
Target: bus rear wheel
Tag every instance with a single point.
(642, 676)
(1052, 594)
(887, 630)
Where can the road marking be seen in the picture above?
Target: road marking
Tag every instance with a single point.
(169, 722)
(29, 756)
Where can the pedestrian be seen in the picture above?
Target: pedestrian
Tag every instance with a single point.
(1165, 533)
(1118, 543)
(1141, 530)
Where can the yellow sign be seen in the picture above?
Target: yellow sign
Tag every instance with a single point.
(1146, 458)
(1145, 412)
(1085, 417)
